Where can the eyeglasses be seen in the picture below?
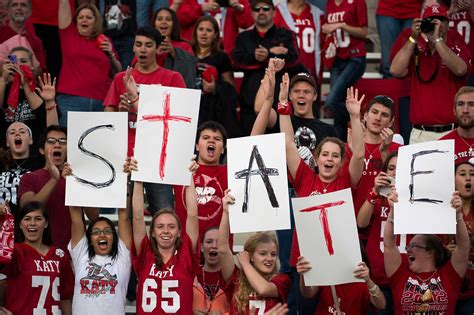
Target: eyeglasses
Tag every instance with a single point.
(53, 141)
(265, 8)
(99, 232)
(413, 246)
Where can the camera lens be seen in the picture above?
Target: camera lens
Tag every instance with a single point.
(427, 25)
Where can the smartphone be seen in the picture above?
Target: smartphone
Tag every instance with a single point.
(385, 190)
(12, 58)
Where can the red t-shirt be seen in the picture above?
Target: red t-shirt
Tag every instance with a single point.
(462, 146)
(462, 23)
(374, 247)
(46, 12)
(188, 13)
(36, 284)
(308, 183)
(373, 164)
(408, 289)
(230, 21)
(85, 70)
(169, 289)
(432, 103)
(59, 217)
(354, 299)
(406, 9)
(261, 304)
(353, 13)
(210, 183)
(160, 76)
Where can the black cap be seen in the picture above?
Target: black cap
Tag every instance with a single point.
(253, 3)
(303, 76)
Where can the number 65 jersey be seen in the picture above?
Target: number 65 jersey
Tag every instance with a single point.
(169, 289)
(36, 284)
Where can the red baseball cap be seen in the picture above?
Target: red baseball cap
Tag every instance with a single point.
(436, 11)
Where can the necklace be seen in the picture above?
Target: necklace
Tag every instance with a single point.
(427, 295)
(325, 187)
(372, 152)
(423, 281)
(467, 144)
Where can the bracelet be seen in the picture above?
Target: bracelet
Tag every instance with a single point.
(390, 219)
(373, 290)
(51, 107)
(372, 197)
(134, 100)
(439, 39)
(459, 218)
(284, 108)
(412, 40)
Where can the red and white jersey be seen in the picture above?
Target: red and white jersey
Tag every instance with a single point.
(261, 304)
(463, 147)
(353, 13)
(165, 290)
(36, 284)
(462, 23)
(307, 27)
(374, 247)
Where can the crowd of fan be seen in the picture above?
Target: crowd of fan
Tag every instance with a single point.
(90, 56)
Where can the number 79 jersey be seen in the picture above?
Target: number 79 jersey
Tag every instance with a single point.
(165, 290)
(36, 284)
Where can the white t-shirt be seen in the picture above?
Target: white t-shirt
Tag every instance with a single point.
(101, 284)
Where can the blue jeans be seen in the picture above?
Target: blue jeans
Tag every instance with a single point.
(389, 28)
(72, 103)
(321, 4)
(159, 196)
(344, 74)
(143, 10)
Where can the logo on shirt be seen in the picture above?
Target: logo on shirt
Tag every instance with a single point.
(209, 193)
(419, 296)
(98, 280)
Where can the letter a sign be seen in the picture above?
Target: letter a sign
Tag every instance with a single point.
(257, 177)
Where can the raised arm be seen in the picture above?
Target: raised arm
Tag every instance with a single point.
(266, 115)
(460, 255)
(46, 191)
(284, 110)
(367, 208)
(64, 14)
(376, 296)
(356, 164)
(139, 227)
(78, 229)
(399, 65)
(303, 265)
(192, 222)
(392, 257)
(262, 286)
(225, 254)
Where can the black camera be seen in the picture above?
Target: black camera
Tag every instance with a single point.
(427, 25)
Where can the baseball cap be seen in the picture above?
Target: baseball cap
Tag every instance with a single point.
(436, 11)
(303, 76)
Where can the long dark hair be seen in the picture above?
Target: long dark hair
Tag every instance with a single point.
(441, 253)
(28, 208)
(154, 243)
(215, 42)
(387, 160)
(115, 239)
(176, 30)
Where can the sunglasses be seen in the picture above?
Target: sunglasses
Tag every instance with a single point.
(265, 8)
(53, 141)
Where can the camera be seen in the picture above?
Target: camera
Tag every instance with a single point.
(427, 25)
(12, 58)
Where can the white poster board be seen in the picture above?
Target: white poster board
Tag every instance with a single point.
(257, 177)
(425, 183)
(96, 151)
(166, 130)
(333, 257)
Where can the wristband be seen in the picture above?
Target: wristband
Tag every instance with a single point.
(284, 108)
(372, 197)
(373, 290)
(51, 107)
(134, 100)
(439, 39)
(412, 40)
(390, 219)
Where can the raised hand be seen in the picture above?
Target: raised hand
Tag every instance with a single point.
(227, 200)
(303, 265)
(353, 103)
(52, 169)
(130, 84)
(362, 271)
(47, 87)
